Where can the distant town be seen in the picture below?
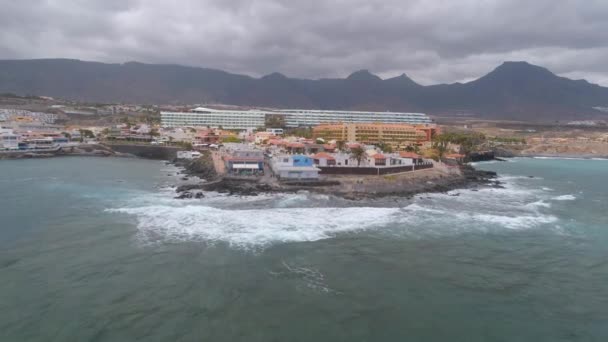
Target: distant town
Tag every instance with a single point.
(283, 144)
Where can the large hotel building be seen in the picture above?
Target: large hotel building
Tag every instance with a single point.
(398, 136)
(244, 119)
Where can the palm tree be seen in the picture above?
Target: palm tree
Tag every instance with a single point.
(357, 153)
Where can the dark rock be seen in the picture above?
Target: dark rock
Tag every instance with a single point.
(184, 195)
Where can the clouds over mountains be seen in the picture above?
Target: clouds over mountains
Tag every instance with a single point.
(432, 41)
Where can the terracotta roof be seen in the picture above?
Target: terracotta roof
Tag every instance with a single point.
(295, 145)
(276, 142)
(409, 155)
(379, 156)
(324, 155)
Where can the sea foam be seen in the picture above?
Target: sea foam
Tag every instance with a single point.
(254, 227)
(258, 221)
(564, 198)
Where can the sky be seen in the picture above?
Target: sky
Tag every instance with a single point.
(432, 41)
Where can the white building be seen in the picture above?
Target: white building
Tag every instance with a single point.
(294, 167)
(203, 117)
(8, 139)
(9, 114)
(188, 154)
(275, 131)
(177, 134)
(308, 117)
(246, 119)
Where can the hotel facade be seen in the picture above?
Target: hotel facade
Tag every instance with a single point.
(245, 119)
(398, 136)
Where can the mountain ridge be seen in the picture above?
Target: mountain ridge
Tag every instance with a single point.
(512, 90)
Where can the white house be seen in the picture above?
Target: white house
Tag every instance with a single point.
(294, 167)
(188, 154)
(8, 139)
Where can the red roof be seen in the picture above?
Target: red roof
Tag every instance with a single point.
(295, 145)
(409, 155)
(379, 156)
(323, 155)
(353, 145)
(455, 156)
(329, 146)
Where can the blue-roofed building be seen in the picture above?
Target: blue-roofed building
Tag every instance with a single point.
(294, 167)
(302, 160)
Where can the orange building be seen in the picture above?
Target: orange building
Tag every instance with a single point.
(398, 136)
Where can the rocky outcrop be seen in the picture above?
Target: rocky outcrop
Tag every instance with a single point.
(357, 187)
(146, 151)
(190, 195)
(202, 167)
(82, 150)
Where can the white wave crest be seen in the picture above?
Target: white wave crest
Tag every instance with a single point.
(254, 227)
(513, 222)
(564, 198)
(539, 203)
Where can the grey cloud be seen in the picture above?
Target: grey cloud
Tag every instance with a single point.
(432, 41)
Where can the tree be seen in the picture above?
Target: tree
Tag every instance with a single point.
(385, 147)
(87, 134)
(231, 139)
(431, 153)
(304, 132)
(320, 141)
(440, 145)
(358, 153)
(154, 132)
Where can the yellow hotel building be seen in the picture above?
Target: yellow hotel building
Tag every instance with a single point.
(398, 136)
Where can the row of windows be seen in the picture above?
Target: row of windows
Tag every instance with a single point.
(293, 119)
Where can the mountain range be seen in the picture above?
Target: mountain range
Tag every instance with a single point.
(514, 90)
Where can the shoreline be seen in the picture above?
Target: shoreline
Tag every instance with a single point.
(436, 180)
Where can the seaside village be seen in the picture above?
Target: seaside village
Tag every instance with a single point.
(287, 145)
(282, 144)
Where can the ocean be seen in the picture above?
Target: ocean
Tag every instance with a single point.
(97, 249)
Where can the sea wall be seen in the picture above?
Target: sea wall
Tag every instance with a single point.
(149, 152)
(370, 171)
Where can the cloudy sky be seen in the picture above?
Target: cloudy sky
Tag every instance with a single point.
(432, 41)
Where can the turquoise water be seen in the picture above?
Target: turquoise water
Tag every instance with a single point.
(95, 249)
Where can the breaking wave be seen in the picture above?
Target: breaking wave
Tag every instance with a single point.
(258, 221)
(254, 226)
(564, 198)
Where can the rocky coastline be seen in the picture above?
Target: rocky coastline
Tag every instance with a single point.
(89, 150)
(348, 187)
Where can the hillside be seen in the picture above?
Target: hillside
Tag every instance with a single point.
(514, 90)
